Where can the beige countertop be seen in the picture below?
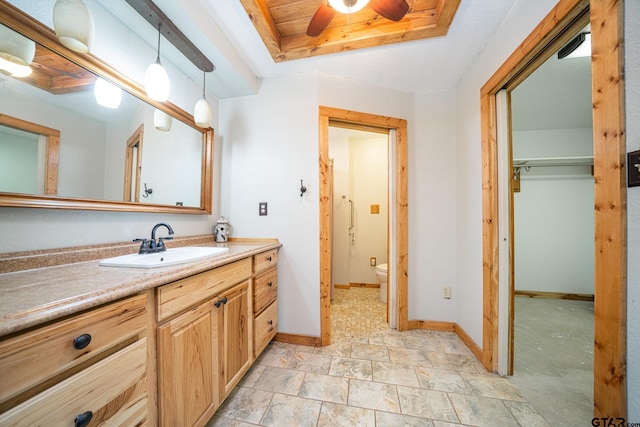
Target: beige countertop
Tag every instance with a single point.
(32, 297)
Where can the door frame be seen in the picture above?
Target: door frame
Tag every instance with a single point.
(400, 262)
(607, 38)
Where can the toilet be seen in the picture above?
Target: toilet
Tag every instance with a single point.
(381, 272)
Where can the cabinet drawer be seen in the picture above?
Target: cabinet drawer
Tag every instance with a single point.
(265, 290)
(39, 355)
(178, 296)
(265, 260)
(265, 328)
(112, 390)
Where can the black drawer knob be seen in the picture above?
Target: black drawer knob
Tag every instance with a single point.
(81, 342)
(269, 258)
(83, 419)
(270, 322)
(270, 284)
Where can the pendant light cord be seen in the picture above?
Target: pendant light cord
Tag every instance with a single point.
(204, 74)
(159, 31)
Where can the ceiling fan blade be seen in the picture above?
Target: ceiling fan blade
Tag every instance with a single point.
(320, 19)
(390, 9)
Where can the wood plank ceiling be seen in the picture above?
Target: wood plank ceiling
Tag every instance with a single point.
(282, 25)
(57, 75)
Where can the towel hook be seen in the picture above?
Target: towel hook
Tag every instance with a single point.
(303, 189)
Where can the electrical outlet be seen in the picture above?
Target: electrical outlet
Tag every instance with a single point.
(373, 262)
(262, 208)
(446, 292)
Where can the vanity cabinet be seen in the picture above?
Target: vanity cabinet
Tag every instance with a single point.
(204, 350)
(265, 304)
(89, 367)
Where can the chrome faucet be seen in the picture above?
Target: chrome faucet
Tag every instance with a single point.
(152, 246)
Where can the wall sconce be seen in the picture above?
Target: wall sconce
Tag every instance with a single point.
(202, 110)
(16, 52)
(107, 94)
(156, 79)
(73, 25)
(162, 121)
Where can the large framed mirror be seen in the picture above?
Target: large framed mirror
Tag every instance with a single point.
(60, 148)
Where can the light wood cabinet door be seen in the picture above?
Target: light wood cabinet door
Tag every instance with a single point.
(187, 354)
(236, 318)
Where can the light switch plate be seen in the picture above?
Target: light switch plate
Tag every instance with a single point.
(633, 169)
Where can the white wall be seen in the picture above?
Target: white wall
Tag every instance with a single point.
(270, 142)
(632, 84)
(553, 230)
(18, 161)
(553, 214)
(341, 243)
(432, 207)
(369, 161)
(360, 165)
(520, 21)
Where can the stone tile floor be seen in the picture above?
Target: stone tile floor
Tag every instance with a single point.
(390, 378)
(357, 312)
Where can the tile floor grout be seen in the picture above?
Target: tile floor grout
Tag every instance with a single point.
(386, 378)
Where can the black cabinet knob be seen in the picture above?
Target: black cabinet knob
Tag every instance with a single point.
(217, 303)
(83, 419)
(269, 259)
(270, 284)
(224, 300)
(270, 322)
(82, 341)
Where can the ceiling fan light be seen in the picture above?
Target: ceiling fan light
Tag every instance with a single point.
(348, 6)
(202, 114)
(107, 94)
(161, 120)
(16, 50)
(156, 82)
(74, 25)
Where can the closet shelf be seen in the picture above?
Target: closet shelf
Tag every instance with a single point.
(554, 161)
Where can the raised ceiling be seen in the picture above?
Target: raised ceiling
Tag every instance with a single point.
(282, 25)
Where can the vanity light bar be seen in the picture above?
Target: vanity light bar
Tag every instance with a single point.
(154, 16)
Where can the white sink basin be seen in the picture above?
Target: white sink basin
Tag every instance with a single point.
(171, 256)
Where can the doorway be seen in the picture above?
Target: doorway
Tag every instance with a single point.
(550, 138)
(398, 213)
(358, 162)
(610, 193)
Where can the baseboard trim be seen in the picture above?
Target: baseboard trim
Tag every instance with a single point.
(298, 339)
(356, 285)
(554, 295)
(469, 342)
(435, 325)
(432, 325)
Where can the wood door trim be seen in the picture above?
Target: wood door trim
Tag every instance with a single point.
(610, 398)
(401, 206)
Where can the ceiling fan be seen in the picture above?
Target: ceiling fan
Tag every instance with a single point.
(390, 9)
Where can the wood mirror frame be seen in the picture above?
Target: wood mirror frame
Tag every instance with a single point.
(17, 20)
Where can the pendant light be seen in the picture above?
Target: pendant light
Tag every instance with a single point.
(16, 52)
(73, 25)
(348, 6)
(107, 94)
(162, 121)
(156, 79)
(202, 110)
